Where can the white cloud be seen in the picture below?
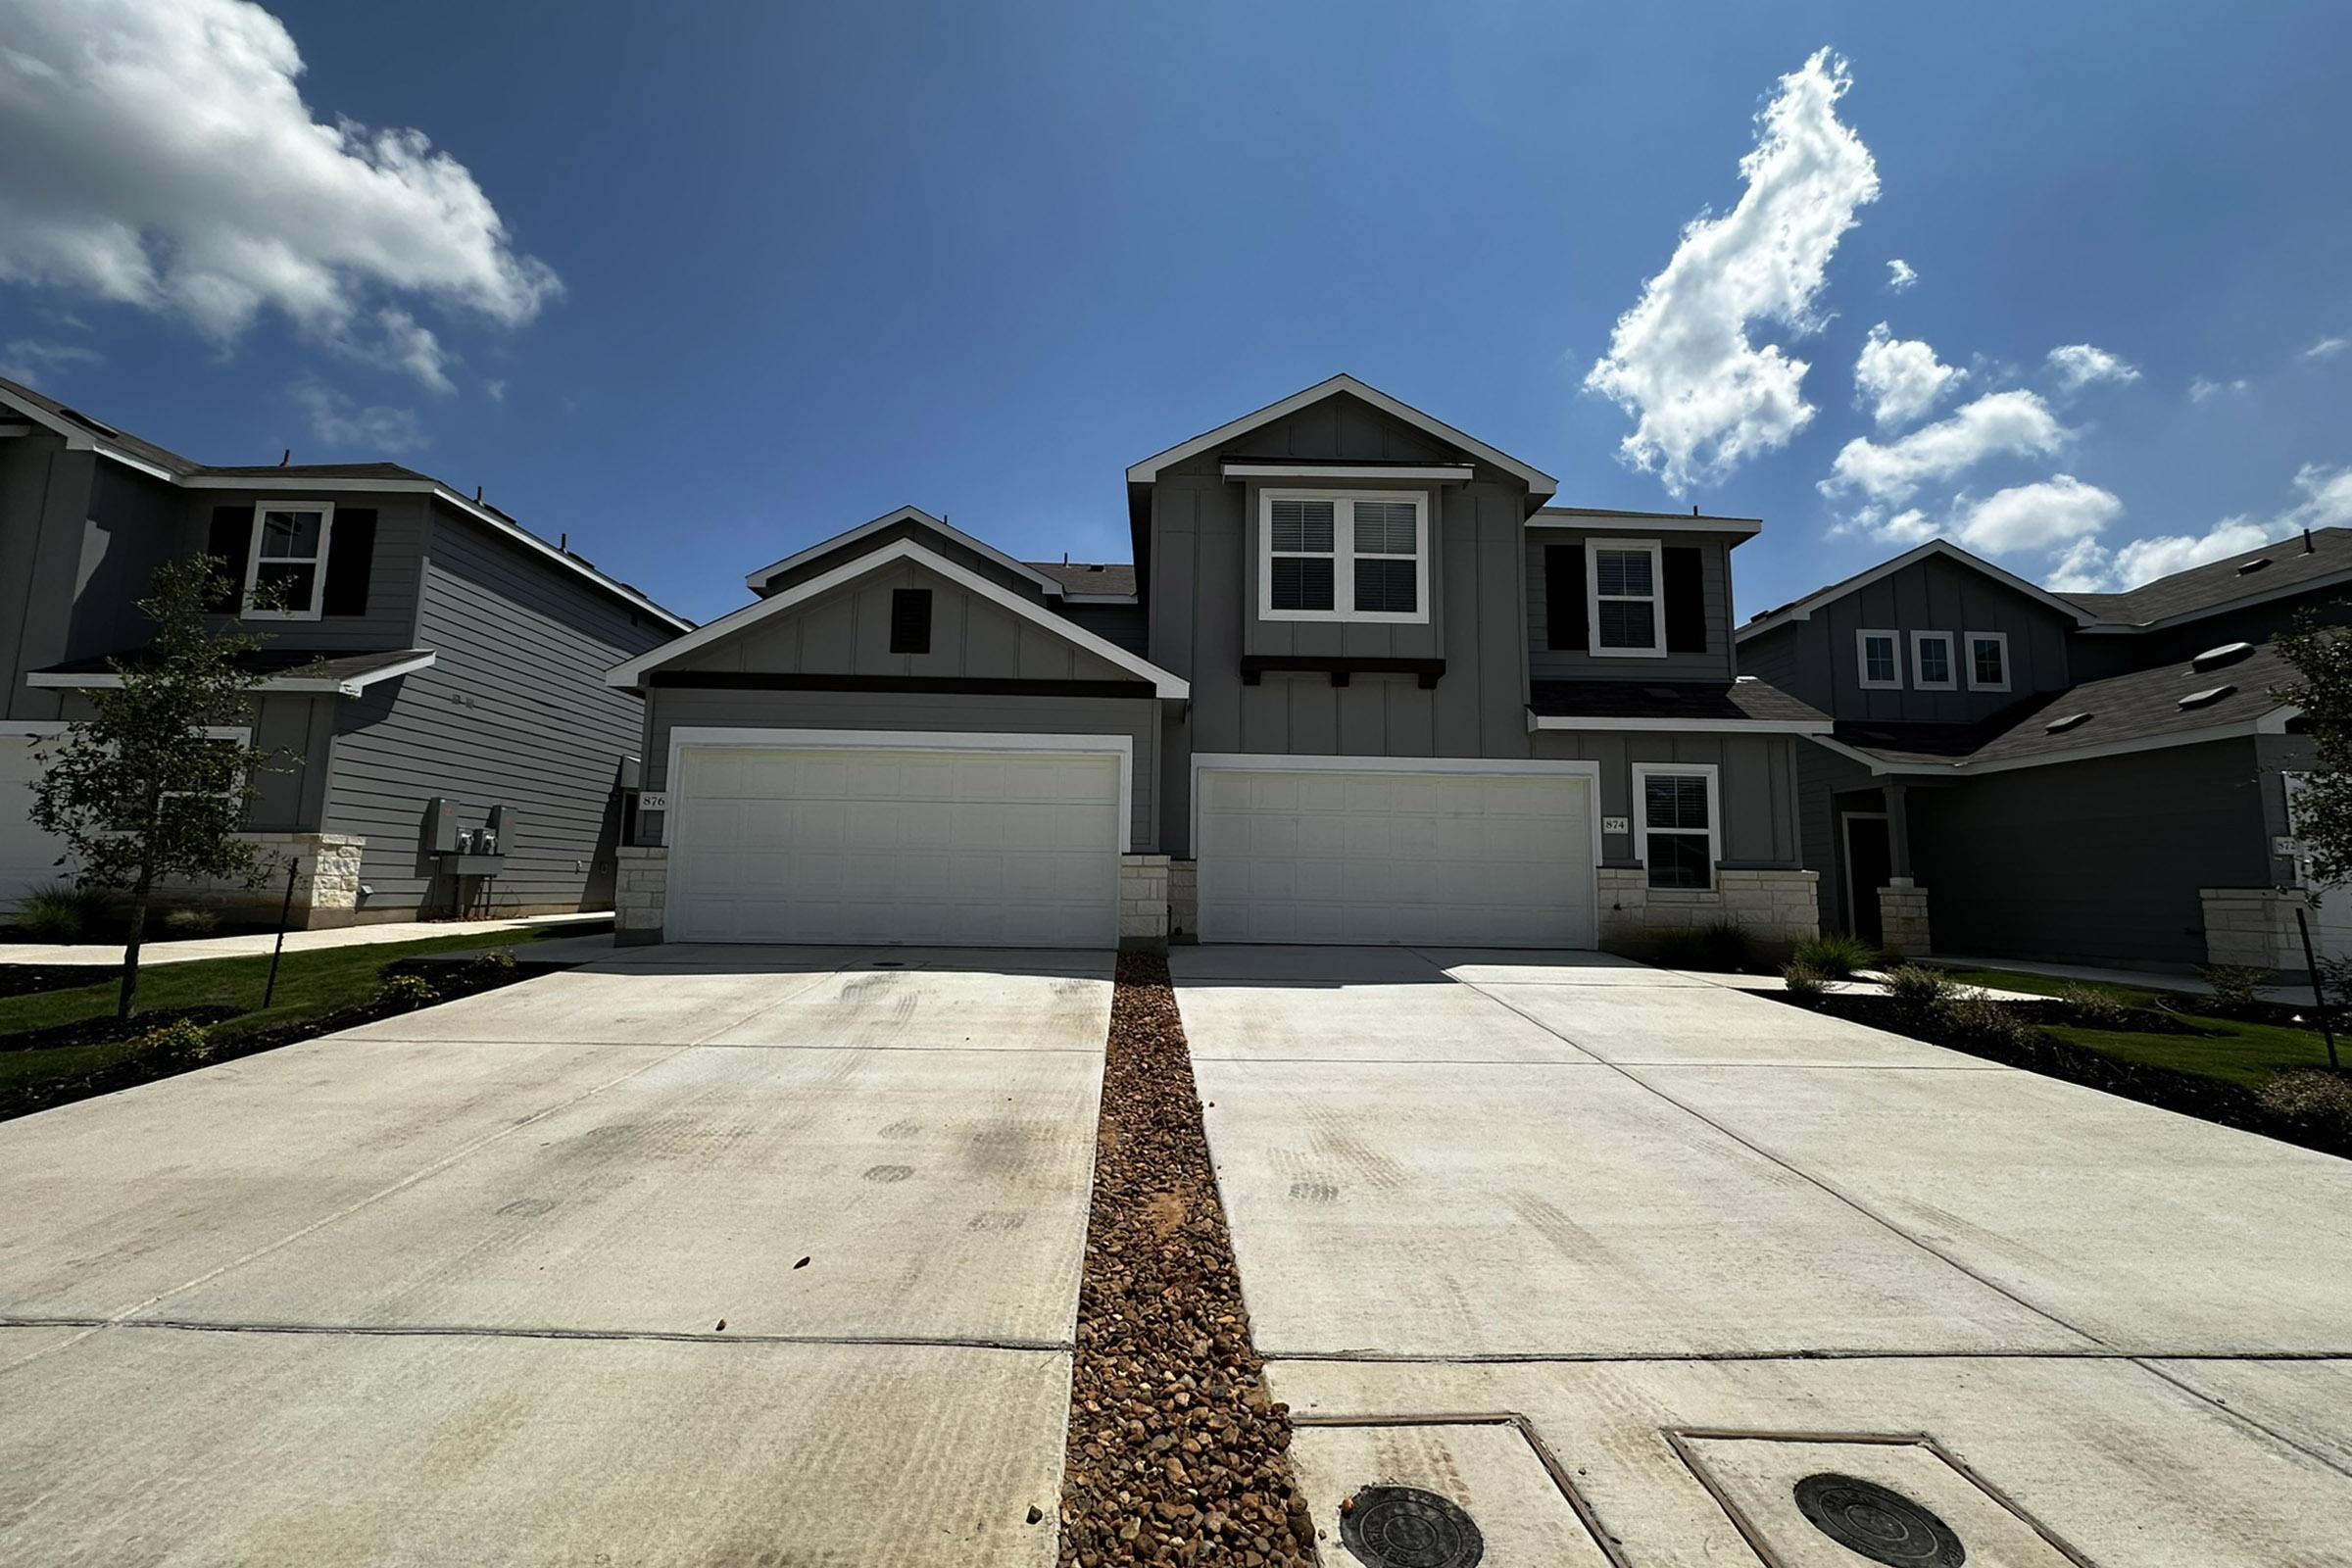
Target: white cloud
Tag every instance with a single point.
(2327, 348)
(405, 346)
(1901, 377)
(2326, 503)
(32, 362)
(2050, 513)
(2082, 569)
(1705, 398)
(2204, 387)
(495, 389)
(2078, 364)
(1901, 275)
(345, 426)
(171, 162)
(2013, 423)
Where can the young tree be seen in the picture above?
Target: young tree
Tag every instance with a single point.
(2321, 659)
(139, 792)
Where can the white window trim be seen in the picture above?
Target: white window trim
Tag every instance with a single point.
(1657, 598)
(1969, 639)
(1712, 774)
(1952, 662)
(1894, 639)
(1342, 555)
(253, 560)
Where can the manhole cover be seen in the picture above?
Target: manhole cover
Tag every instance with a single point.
(1882, 1525)
(1404, 1527)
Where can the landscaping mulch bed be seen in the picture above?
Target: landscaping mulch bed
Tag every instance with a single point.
(147, 1066)
(30, 979)
(2191, 1094)
(1176, 1453)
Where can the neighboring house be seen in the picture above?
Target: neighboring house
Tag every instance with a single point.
(1361, 684)
(2097, 778)
(427, 648)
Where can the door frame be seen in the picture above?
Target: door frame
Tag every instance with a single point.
(690, 737)
(1845, 853)
(1457, 767)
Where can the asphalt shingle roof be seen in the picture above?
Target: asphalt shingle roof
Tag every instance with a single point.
(1084, 577)
(2226, 581)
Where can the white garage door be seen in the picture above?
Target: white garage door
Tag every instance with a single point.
(825, 844)
(27, 855)
(1486, 859)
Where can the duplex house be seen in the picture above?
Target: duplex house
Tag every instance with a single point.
(1361, 684)
(2101, 778)
(427, 659)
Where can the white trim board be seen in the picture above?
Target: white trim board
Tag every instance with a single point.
(258, 535)
(1952, 662)
(1803, 608)
(685, 736)
(1276, 762)
(760, 579)
(1862, 637)
(1539, 483)
(1306, 472)
(106, 681)
(1643, 522)
(1684, 727)
(629, 675)
(1342, 555)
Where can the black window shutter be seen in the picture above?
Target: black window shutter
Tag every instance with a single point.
(1564, 626)
(231, 540)
(350, 556)
(1686, 600)
(911, 620)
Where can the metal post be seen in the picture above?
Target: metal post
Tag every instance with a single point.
(2319, 993)
(286, 913)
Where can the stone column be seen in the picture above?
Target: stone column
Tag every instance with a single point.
(641, 894)
(1143, 904)
(1903, 919)
(1184, 901)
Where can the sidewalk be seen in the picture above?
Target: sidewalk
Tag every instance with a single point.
(108, 956)
(2295, 996)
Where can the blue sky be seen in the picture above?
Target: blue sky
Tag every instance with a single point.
(700, 294)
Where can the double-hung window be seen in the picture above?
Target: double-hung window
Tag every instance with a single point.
(285, 576)
(1326, 556)
(1676, 823)
(1627, 611)
(1932, 661)
(1988, 660)
(1878, 656)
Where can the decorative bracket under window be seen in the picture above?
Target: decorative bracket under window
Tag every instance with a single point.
(1428, 670)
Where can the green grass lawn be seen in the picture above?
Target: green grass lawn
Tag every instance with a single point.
(2233, 1051)
(309, 984)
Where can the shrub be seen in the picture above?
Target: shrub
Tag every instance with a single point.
(178, 1038)
(1804, 982)
(405, 993)
(189, 922)
(2335, 984)
(2314, 1096)
(1727, 947)
(60, 911)
(2235, 987)
(1836, 957)
(2098, 1008)
(489, 968)
(1973, 1015)
(1917, 986)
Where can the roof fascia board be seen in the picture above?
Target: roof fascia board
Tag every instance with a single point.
(1688, 726)
(315, 685)
(1643, 522)
(767, 574)
(1428, 473)
(1538, 482)
(1163, 683)
(1803, 608)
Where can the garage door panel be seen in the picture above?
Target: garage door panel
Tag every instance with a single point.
(1377, 855)
(846, 845)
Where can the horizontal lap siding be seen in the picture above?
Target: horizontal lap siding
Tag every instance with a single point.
(514, 711)
(1137, 718)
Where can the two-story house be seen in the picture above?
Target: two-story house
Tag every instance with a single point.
(1361, 684)
(2093, 778)
(421, 647)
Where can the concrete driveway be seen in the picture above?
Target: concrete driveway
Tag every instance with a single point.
(450, 1288)
(1614, 1256)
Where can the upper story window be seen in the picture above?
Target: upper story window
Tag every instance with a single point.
(1932, 661)
(1626, 613)
(286, 576)
(1328, 556)
(1988, 660)
(1879, 658)
(1676, 825)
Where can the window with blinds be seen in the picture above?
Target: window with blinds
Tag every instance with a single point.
(1678, 827)
(1328, 557)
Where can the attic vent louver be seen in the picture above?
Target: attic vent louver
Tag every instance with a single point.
(2256, 564)
(2058, 726)
(2211, 695)
(2215, 658)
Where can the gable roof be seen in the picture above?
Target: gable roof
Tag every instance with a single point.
(1539, 483)
(2292, 564)
(633, 672)
(1082, 580)
(1802, 608)
(759, 580)
(85, 434)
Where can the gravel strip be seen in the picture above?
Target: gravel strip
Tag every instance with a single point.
(1176, 1455)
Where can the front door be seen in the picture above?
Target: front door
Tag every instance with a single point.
(1868, 864)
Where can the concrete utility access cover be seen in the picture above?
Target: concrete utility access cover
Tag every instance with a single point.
(1405, 1527)
(1878, 1522)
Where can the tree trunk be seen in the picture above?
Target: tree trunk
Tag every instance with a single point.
(130, 945)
